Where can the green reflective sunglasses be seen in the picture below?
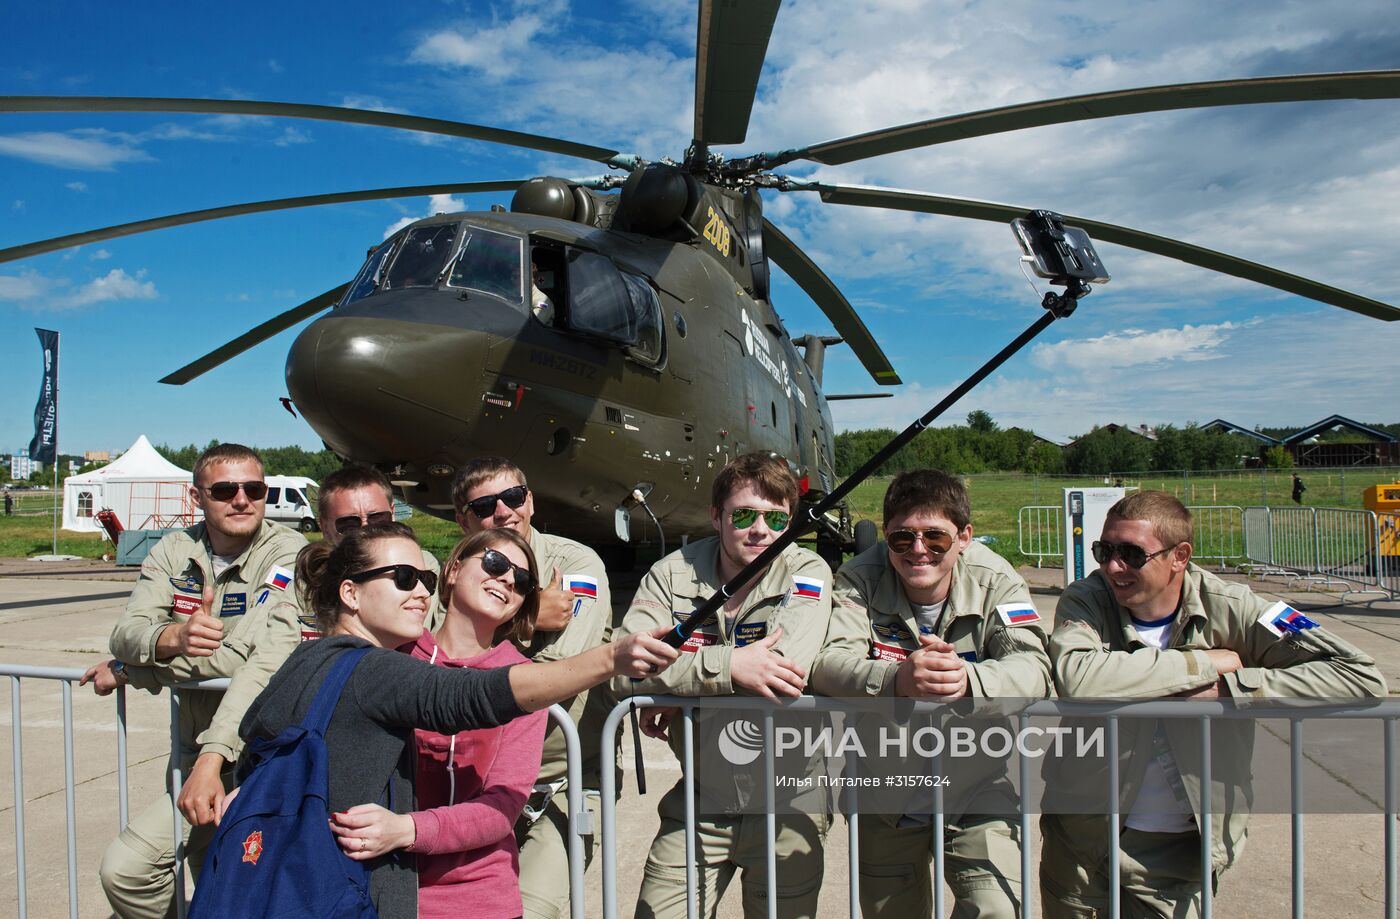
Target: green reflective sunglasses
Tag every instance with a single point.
(741, 518)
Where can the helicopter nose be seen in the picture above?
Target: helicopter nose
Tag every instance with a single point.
(380, 389)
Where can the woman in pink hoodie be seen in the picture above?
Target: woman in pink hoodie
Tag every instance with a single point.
(472, 786)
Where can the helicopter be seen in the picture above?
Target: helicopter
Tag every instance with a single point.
(661, 355)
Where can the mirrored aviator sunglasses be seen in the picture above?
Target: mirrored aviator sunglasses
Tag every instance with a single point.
(741, 518)
(355, 521)
(901, 541)
(224, 491)
(404, 577)
(485, 506)
(496, 564)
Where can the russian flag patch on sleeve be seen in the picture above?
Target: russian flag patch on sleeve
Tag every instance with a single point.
(811, 588)
(581, 585)
(279, 578)
(1282, 619)
(1019, 613)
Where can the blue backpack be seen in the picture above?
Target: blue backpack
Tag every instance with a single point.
(273, 853)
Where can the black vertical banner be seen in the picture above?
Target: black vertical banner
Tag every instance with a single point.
(43, 448)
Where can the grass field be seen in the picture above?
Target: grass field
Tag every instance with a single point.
(996, 500)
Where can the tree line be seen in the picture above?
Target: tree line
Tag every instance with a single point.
(982, 446)
(314, 465)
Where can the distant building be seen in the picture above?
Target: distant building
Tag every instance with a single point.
(97, 456)
(1311, 446)
(22, 467)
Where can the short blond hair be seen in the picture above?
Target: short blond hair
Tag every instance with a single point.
(1170, 519)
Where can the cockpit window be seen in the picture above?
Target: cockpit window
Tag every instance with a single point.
(490, 262)
(367, 281)
(422, 256)
(613, 304)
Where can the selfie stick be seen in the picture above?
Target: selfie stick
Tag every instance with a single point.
(1056, 305)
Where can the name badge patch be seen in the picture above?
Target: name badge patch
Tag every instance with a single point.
(1282, 619)
(1020, 613)
(234, 605)
(750, 632)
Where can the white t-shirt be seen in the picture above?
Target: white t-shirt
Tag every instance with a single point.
(1157, 809)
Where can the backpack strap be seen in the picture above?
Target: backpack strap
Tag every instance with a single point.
(318, 717)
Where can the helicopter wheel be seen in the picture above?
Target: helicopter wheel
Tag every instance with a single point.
(867, 535)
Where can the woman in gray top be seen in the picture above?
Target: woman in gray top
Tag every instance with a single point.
(369, 590)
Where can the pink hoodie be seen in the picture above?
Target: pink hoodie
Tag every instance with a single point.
(472, 787)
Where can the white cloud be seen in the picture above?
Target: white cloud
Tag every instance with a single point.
(100, 255)
(34, 291)
(292, 136)
(76, 186)
(70, 151)
(1134, 347)
(497, 50)
(437, 204)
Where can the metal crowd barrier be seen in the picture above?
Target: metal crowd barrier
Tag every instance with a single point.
(1326, 544)
(1386, 711)
(1219, 533)
(579, 823)
(1039, 533)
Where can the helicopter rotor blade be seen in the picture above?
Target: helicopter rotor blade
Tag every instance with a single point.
(786, 255)
(1379, 84)
(27, 250)
(729, 51)
(897, 199)
(255, 336)
(301, 110)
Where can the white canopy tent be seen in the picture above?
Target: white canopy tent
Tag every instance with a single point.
(146, 490)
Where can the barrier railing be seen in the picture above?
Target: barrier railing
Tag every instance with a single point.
(579, 822)
(1323, 545)
(1204, 712)
(1218, 533)
(1038, 532)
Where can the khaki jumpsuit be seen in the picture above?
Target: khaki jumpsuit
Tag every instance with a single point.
(873, 629)
(675, 586)
(1097, 653)
(544, 854)
(255, 599)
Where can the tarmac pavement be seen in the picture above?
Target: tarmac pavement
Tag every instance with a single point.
(60, 614)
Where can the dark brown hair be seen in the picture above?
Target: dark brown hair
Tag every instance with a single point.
(768, 474)
(521, 627)
(352, 478)
(1170, 519)
(928, 490)
(482, 469)
(321, 568)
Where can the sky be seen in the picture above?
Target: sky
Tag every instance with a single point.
(1309, 187)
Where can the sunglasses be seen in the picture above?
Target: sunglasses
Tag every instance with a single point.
(485, 506)
(224, 491)
(741, 518)
(1133, 556)
(355, 521)
(935, 541)
(404, 577)
(496, 564)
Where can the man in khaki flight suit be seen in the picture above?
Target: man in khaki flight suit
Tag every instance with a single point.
(1149, 623)
(214, 600)
(751, 501)
(355, 496)
(575, 615)
(930, 614)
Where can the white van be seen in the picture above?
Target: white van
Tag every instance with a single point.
(291, 500)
